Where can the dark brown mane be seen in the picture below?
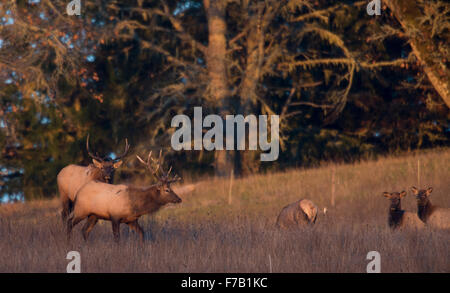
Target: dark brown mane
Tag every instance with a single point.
(396, 213)
(143, 200)
(424, 211)
(95, 173)
(395, 218)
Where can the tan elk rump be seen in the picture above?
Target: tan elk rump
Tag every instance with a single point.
(432, 215)
(297, 214)
(71, 178)
(121, 203)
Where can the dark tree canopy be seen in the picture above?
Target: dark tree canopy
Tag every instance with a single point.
(346, 85)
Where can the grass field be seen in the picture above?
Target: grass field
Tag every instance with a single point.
(212, 231)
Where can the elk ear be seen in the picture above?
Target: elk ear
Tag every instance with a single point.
(415, 190)
(117, 164)
(402, 194)
(97, 163)
(387, 194)
(429, 190)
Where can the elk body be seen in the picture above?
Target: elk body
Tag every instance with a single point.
(71, 178)
(430, 214)
(297, 214)
(121, 203)
(398, 218)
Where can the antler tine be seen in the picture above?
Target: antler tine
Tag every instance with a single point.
(142, 161)
(158, 164)
(127, 148)
(164, 175)
(149, 165)
(149, 157)
(154, 171)
(146, 163)
(160, 157)
(175, 178)
(89, 151)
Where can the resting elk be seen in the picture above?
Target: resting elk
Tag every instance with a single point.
(300, 213)
(122, 203)
(71, 178)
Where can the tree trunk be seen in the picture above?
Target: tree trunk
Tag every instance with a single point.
(218, 82)
(245, 162)
(407, 13)
(217, 49)
(255, 57)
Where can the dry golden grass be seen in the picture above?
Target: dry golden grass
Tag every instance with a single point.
(210, 232)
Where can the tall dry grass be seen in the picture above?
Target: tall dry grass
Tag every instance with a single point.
(207, 234)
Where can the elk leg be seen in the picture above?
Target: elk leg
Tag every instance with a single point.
(90, 223)
(137, 228)
(65, 209)
(69, 228)
(71, 222)
(116, 229)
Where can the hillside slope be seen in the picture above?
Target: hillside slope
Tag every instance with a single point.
(215, 230)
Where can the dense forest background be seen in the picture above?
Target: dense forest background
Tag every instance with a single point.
(347, 85)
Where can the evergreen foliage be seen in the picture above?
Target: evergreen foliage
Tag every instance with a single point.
(346, 85)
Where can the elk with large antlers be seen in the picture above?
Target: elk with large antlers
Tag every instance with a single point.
(71, 178)
(122, 203)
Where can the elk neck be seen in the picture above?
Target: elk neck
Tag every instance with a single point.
(144, 200)
(425, 210)
(94, 172)
(395, 215)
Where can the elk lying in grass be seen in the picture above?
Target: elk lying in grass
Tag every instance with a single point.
(71, 178)
(430, 214)
(297, 214)
(398, 218)
(122, 203)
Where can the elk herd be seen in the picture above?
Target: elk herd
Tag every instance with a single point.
(304, 212)
(88, 193)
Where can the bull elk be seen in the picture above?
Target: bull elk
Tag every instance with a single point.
(71, 178)
(398, 218)
(297, 214)
(122, 203)
(430, 214)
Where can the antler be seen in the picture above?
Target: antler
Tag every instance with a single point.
(90, 153)
(174, 179)
(127, 148)
(148, 164)
(165, 175)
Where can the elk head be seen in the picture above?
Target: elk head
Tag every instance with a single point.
(422, 195)
(165, 193)
(395, 198)
(106, 165)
